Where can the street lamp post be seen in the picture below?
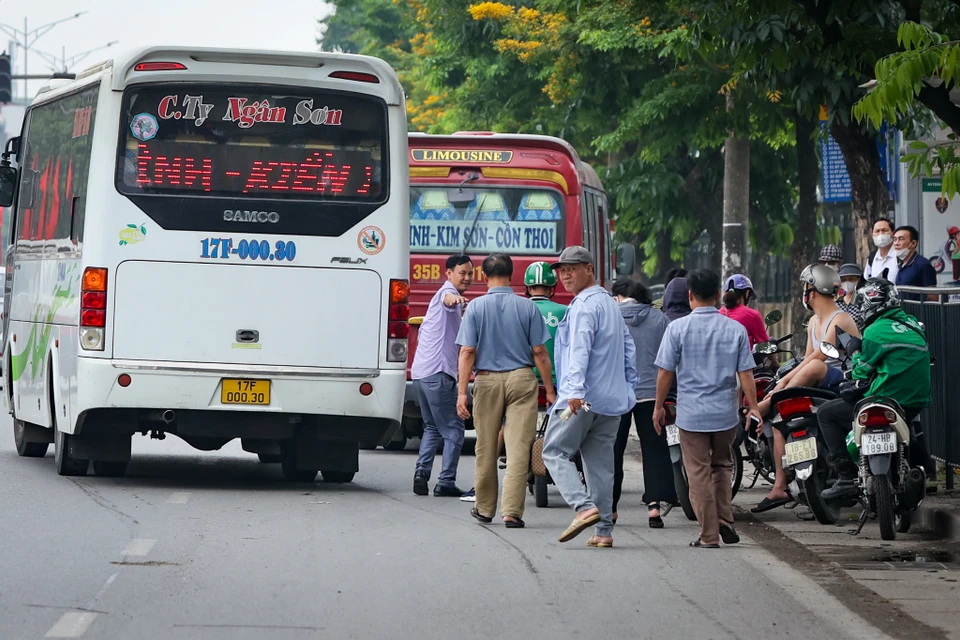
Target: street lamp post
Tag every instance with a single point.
(27, 37)
(63, 63)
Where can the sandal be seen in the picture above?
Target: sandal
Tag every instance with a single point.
(480, 518)
(699, 545)
(592, 542)
(656, 522)
(578, 526)
(518, 523)
(728, 534)
(768, 505)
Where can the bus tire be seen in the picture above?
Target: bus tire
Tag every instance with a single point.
(396, 445)
(109, 469)
(65, 463)
(27, 446)
(288, 464)
(337, 476)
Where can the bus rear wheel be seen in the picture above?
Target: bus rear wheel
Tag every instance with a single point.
(337, 476)
(288, 464)
(66, 464)
(27, 446)
(109, 469)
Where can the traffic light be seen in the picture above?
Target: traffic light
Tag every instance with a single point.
(6, 79)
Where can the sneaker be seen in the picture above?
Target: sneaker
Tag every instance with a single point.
(453, 491)
(842, 488)
(469, 496)
(420, 485)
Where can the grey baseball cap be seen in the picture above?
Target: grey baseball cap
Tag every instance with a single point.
(573, 255)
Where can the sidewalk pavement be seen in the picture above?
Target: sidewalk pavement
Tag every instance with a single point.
(918, 572)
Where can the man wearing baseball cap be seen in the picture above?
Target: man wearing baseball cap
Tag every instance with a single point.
(596, 367)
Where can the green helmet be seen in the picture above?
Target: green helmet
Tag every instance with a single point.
(539, 274)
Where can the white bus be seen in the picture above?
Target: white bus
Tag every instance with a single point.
(213, 244)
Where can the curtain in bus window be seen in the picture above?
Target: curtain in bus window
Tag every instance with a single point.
(56, 163)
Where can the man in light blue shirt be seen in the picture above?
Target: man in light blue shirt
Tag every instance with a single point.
(707, 352)
(502, 337)
(597, 373)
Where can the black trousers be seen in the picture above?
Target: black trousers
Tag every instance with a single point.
(836, 421)
(657, 471)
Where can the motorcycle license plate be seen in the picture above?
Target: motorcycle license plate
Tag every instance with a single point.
(801, 451)
(873, 444)
(673, 435)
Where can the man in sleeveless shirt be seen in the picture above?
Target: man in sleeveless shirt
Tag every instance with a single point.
(820, 287)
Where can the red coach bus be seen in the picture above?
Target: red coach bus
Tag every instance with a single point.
(480, 193)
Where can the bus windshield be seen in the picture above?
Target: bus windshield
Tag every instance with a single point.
(482, 220)
(252, 142)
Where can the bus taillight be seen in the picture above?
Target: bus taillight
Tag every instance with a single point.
(93, 308)
(398, 327)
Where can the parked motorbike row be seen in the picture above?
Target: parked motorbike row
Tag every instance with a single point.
(889, 489)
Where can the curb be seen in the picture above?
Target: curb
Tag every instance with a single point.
(944, 523)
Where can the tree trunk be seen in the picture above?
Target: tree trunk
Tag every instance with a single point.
(736, 198)
(805, 234)
(868, 191)
(761, 261)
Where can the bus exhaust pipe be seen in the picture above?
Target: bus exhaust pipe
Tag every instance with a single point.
(169, 416)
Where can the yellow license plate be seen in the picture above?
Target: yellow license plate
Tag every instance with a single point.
(245, 391)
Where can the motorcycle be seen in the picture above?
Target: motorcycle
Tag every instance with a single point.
(805, 452)
(759, 447)
(889, 488)
(680, 482)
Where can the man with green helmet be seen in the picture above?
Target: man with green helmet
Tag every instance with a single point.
(541, 284)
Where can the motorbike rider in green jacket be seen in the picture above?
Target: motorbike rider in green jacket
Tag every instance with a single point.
(895, 358)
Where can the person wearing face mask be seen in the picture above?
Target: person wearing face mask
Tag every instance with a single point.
(915, 270)
(884, 257)
(851, 279)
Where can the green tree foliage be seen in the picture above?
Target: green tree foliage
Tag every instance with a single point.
(929, 60)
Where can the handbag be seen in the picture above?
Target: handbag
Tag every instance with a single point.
(536, 453)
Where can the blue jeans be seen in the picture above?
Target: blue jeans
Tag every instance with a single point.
(438, 406)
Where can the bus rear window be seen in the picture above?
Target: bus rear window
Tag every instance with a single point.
(252, 142)
(482, 220)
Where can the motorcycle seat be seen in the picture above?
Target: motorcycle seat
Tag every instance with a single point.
(819, 396)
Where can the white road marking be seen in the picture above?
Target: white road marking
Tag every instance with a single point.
(72, 624)
(179, 497)
(138, 547)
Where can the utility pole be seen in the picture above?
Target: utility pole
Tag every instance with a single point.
(736, 196)
(26, 38)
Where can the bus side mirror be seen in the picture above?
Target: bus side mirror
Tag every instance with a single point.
(8, 185)
(626, 259)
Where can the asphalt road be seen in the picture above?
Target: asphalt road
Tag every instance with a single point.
(216, 545)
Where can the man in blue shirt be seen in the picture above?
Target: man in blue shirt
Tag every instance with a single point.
(707, 352)
(501, 338)
(915, 270)
(597, 374)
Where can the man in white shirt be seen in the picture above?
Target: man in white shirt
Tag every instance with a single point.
(884, 257)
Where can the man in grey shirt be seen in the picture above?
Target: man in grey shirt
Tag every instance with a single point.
(707, 352)
(501, 338)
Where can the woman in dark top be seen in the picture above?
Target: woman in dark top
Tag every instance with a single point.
(646, 326)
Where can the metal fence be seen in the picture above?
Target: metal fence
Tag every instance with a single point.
(942, 321)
